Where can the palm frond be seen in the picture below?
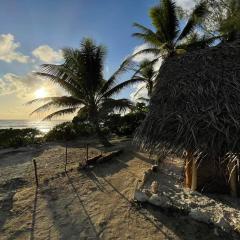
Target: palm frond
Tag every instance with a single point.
(120, 105)
(57, 102)
(197, 15)
(147, 100)
(62, 83)
(164, 18)
(196, 42)
(60, 113)
(120, 86)
(139, 90)
(125, 65)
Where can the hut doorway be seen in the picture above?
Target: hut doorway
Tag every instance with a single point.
(210, 177)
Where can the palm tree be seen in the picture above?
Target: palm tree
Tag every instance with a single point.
(89, 94)
(230, 24)
(168, 38)
(146, 74)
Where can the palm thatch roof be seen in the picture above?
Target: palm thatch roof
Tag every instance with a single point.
(195, 105)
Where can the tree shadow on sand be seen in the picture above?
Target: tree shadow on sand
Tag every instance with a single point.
(9, 189)
(69, 213)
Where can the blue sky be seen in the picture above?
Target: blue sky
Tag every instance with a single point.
(32, 32)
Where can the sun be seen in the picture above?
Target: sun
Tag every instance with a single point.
(40, 93)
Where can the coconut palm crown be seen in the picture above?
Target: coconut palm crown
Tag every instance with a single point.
(146, 74)
(89, 94)
(169, 38)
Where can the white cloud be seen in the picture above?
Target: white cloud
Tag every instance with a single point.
(46, 54)
(186, 4)
(8, 49)
(144, 56)
(24, 87)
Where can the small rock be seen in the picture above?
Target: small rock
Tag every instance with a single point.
(200, 215)
(140, 196)
(161, 201)
(147, 192)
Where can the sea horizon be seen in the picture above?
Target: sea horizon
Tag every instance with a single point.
(43, 126)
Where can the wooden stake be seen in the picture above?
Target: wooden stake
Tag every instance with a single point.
(233, 179)
(194, 176)
(35, 171)
(188, 173)
(87, 152)
(65, 167)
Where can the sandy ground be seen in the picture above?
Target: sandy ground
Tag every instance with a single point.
(93, 204)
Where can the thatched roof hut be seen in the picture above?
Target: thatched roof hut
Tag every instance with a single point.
(195, 107)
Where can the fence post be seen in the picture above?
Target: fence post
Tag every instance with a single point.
(87, 151)
(35, 171)
(66, 159)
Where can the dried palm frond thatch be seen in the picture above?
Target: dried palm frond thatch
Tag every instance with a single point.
(195, 107)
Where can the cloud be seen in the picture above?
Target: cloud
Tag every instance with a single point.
(25, 86)
(186, 4)
(8, 49)
(46, 54)
(141, 57)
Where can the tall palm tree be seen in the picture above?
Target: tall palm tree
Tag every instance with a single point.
(89, 94)
(169, 38)
(146, 73)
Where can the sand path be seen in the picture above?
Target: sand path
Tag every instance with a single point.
(94, 204)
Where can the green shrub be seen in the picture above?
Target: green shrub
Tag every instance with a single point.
(19, 137)
(69, 131)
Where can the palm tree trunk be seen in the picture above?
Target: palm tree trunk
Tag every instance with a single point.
(233, 179)
(95, 122)
(101, 136)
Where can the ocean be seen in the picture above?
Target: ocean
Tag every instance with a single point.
(43, 126)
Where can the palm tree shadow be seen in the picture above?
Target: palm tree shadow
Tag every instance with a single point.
(92, 176)
(83, 206)
(34, 215)
(133, 206)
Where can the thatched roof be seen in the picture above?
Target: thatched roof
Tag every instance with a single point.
(196, 104)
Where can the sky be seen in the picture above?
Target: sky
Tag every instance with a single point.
(33, 32)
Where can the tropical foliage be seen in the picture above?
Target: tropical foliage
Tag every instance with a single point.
(88, 93)
(147, 74)
(222, 20)
(68, 131)
(18, 137)
(126, 125)
(169, 38)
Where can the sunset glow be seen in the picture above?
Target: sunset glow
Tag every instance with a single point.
(40, 93)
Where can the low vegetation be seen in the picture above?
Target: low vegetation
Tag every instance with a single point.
(19, 137)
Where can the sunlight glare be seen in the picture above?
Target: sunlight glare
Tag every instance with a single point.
(40, 93)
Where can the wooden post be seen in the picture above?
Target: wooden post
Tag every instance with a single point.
(233, 178)
(188, 173)
(194, 175)
(87, 152)
(65, 167)
(35, 171)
